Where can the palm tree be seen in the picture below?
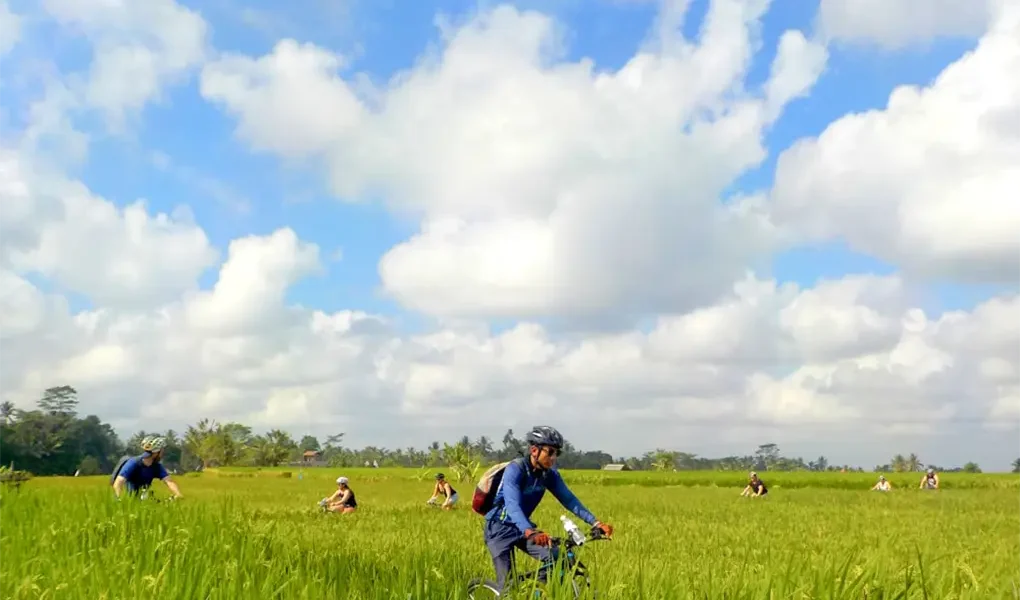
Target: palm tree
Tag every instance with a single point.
(899, 464)
(484, 446)
(1016, 466)
(913, 463)
(7, 412)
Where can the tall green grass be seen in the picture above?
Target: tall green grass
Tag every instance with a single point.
(260, 537)
(774, 479)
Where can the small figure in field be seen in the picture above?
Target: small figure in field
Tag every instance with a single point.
(342, 500)
(929, 480)
(443, 487)
(755, 487)
(883, 484)
(137, 473)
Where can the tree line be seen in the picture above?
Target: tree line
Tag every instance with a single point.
(53, 440)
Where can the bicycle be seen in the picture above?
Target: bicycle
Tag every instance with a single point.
(534, 579)
(145, 494)
(322, 506)
(436, 504)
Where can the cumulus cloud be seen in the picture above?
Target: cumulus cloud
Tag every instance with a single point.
(315, 371)
(252, 282)
(117, 257)
(930, 182)
(892, 25)
(767, 359)
(137, 47)
(544, 186)
(807, 364)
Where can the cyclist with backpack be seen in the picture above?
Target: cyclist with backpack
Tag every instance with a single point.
(524, 481)
(137, 472)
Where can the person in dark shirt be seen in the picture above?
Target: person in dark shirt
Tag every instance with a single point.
(508, 524)
(342, 500)
(443, 488)
(930, 480)
(755, 487)
(138, 472)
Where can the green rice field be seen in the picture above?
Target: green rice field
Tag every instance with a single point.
(258, 534)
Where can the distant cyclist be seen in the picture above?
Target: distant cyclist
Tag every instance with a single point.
(883, 484)
(342, 500)
(443, 488)
(930, 480)
(508, 524)
(138, 472)
(755, 487)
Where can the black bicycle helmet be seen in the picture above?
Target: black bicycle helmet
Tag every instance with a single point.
(439, 476)
(543, 435)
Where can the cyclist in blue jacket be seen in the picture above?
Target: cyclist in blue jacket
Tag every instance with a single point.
(508, 524)
(138, 473)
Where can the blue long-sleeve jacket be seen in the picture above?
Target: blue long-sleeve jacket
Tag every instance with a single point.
(523, 487)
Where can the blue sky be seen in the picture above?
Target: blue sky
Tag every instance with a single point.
(214, 173)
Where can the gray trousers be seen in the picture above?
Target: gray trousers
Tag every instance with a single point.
(502, 539)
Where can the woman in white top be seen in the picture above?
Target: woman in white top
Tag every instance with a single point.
(883, 484)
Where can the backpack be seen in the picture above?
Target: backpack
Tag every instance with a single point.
(488, 485)
(120, 465)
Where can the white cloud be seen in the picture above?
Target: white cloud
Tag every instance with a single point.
(775, 359)
(544, 186)
(253, 281)
(10, 28)
(138, 48)
(930, 182)
(118, 257)
(899, 23)
(50, 130)
(797, 66)
(330, 374)
(818, 366)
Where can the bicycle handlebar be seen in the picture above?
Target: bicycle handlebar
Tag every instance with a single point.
(594, 535)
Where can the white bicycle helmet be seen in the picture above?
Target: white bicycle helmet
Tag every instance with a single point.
(153, 443)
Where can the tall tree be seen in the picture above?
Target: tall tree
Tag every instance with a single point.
(767, 454)
(270, 449)
(7, 412)
(484, 446)
(1016, 466)
(61, 400)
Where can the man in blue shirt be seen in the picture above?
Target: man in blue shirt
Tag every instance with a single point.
(138, 472)
(508, 524)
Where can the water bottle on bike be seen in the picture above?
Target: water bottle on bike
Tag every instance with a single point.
(572, 530)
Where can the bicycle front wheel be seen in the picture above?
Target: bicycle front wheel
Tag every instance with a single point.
(480, 589)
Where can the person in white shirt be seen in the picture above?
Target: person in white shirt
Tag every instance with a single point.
(883, 484)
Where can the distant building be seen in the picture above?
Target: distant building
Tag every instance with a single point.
(310, 456)
(616, 467)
